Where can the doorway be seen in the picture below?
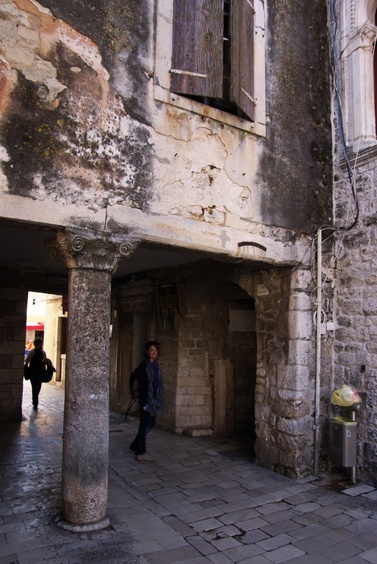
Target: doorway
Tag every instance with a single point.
(233, 362)
(243, 353)
(132, 336)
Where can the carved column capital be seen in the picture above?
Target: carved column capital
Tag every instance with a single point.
(81, 247)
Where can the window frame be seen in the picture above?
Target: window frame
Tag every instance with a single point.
(163, 65)
(359, 33)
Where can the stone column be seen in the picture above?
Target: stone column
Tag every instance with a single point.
(91, 258)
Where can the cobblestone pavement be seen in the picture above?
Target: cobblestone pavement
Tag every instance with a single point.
(202, 500)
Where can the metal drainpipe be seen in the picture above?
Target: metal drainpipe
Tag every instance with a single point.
(318, 352)
(353, 468)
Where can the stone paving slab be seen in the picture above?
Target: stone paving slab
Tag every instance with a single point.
(358, 490)
(370, 555)
(202, 500)
(371, 495)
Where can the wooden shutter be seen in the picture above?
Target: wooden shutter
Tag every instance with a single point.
(242, 56)
(197, 62)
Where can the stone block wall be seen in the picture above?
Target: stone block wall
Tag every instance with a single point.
(13, 304)
(194, 392)
(284, 395)
(355, 351)
(285, 367)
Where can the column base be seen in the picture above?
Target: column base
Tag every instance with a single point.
(83, 528)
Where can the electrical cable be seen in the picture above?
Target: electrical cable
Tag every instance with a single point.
(335, 62)
(350, 172)
(334, 29)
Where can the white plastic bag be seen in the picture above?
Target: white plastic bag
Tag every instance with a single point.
(345, 396)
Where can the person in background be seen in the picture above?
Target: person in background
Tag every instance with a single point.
(28, 347)
(36, 357)
(150, 398)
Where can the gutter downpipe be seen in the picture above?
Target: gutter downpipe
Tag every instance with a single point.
(318, 352)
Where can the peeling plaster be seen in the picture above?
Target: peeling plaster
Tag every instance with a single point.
(65, 130)
(68, 135)
(202, 179)
(41, 8)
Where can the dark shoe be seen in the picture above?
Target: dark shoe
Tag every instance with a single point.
(35, 407)
(145, 456)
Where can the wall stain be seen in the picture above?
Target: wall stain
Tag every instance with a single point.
(76, 151)
(121, 31)
(295, 171)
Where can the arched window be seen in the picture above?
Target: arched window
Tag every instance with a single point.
(359, 63)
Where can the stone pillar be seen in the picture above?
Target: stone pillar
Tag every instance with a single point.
(91, 258)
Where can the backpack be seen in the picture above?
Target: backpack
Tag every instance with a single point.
(134, 391)
(47, 371)
(134, 385)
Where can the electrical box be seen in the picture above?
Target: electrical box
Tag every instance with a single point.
(343, 441)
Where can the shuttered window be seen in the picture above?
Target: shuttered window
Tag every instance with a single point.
(242, 56)
(197, 64)
(213, 55)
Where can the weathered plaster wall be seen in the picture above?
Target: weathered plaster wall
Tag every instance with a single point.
(295, 171)
(65, 135)
(80, 130)
(123, 32)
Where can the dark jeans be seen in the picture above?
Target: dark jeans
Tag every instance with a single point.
(36, 385)
(147, 421)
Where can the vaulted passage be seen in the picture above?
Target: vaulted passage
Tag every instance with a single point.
(208, 349)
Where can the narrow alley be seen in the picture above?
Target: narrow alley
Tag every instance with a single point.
(203, 500)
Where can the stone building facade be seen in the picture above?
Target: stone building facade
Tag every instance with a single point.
(119, 178)
(355, 284)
